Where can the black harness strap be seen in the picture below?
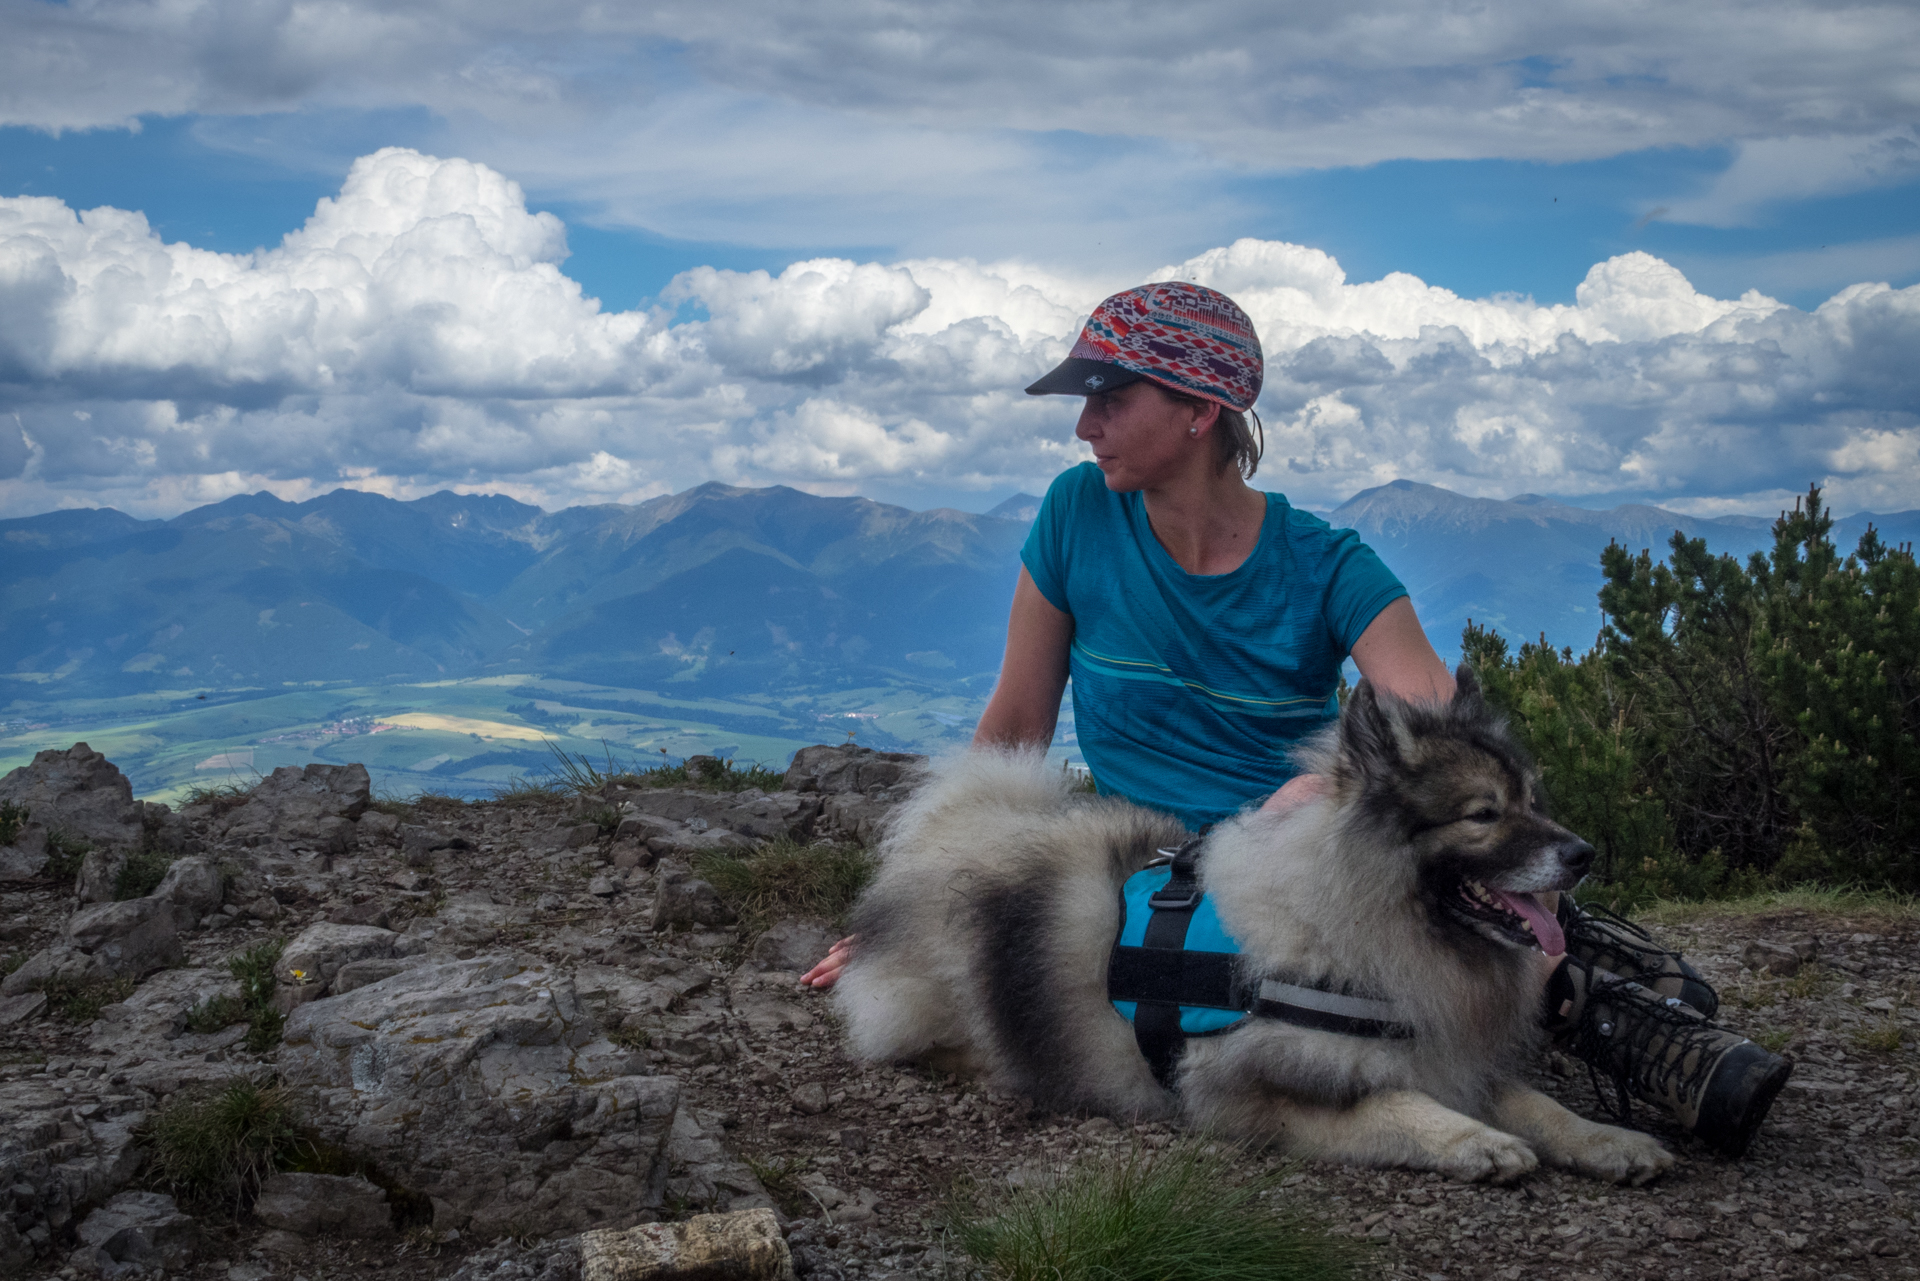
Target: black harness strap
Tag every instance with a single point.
(1156, 1023)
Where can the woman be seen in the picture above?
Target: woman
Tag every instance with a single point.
(1204, 624)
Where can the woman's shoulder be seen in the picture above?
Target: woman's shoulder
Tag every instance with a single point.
(1309, 537)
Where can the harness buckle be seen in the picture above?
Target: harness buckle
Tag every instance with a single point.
(1174, 899)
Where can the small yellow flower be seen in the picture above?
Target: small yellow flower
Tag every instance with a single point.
(299, 974)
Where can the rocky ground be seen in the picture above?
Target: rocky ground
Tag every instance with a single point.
(526, 1019)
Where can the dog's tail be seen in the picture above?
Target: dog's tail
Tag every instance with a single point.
(986, 779)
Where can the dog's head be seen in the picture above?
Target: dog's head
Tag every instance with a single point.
(1451, 785)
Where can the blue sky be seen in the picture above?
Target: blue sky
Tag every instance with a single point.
(1566, 248)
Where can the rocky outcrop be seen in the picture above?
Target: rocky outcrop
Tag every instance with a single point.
(309, 809)
(319, 952)
(58, 1157)
(80, 792)
(858, 787)
(746, 1245)
(486, 1086)
(104, 941)
(136, 1234)
(26, 857)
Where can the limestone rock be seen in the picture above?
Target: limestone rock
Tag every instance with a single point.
(142, 1228)
(751, 813)
(486, 1086)
(810, 1099)
(857, 816)
(742, 1246)
(681, 899)
(194, 887)
(150, 1021)
(355, 975)
(765, 1001)
(312, 807)
(1761, 957)
(316, 954)
(78, 791)
(105, 941)
(376, 828)
(310, 1204)
(99, 873)
(704, 1172)
(836, 769)
(795, 944)
(26, 858)
(64, 1159)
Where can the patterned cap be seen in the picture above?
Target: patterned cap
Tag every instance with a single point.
(1183, 336)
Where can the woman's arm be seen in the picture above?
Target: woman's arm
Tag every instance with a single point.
(1396, 656)
(1026, 702)
(1022, 712)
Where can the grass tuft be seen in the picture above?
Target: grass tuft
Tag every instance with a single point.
(1884, 1037)
(222, 797)
(65, 852)
(141, 874)
(707, 776)
(253, 970)
(1178, 1215)
(526, 792)
(787, 878)
(214, 1148)
(780, 1176)
(12, 819)
(216, 1014)
(81, 1000)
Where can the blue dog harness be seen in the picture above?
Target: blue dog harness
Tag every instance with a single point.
(1176, 973)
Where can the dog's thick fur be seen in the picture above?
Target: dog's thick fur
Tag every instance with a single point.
(985, 937)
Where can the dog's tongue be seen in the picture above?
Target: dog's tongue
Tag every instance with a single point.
(1546, 930)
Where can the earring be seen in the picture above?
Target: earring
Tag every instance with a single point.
(1193, 431)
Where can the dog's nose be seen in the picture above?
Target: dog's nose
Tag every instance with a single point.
(1577, 856)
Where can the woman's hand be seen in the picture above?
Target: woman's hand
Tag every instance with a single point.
(827, 972)
(1297, 790)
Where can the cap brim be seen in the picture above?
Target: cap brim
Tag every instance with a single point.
(1074, 377)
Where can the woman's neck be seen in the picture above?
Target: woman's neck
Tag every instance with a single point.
(1208, 521)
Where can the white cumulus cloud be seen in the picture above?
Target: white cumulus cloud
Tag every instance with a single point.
(420, 331)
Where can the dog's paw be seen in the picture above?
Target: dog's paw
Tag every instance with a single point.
(1487, 1155)
(1620, 1156)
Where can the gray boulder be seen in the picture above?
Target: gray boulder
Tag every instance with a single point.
(99, 873)
(681, 899)
(745, 1245)
(486, 1086)
(355, 975)
(304, 808)
(26, 858)
(134, 1232)
(105, 941)
(78, 791)
(65, 1155)
(752, 813)
(193, 887)
(318, 952)
(310, 1204)
(833, 769)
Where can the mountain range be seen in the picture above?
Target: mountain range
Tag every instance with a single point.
(721, 590)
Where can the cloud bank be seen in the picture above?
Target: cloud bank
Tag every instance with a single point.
(420, 331)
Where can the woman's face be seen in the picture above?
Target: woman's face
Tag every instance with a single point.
(1141, 437)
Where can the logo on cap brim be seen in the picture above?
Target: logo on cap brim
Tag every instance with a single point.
(1096, 382)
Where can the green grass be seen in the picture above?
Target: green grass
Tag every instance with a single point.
(12, 819)
(253, 970)
(11, 962)
(719, 776)
(786, 878)
(1179, 1215)
(65, 852)
(221, 796)
(215, 1148)
(141, 874)
(780, 1176)
(1855, 902)
(1883, 1037)
(523, 792)
(81, 1000)
(216, 1014)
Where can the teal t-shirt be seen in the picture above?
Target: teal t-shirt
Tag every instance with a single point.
(1190, 690)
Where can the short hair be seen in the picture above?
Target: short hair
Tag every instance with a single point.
(1235, 444)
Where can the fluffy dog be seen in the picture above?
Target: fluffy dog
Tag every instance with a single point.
(985, 941)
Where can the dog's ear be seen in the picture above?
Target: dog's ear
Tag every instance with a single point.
(1367, 732)
(1467, 698)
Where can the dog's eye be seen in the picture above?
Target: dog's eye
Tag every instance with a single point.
(1485, 814)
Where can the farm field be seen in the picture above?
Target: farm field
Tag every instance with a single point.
(468, 737)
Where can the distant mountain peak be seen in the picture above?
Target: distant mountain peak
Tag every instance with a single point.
(1021, 507)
